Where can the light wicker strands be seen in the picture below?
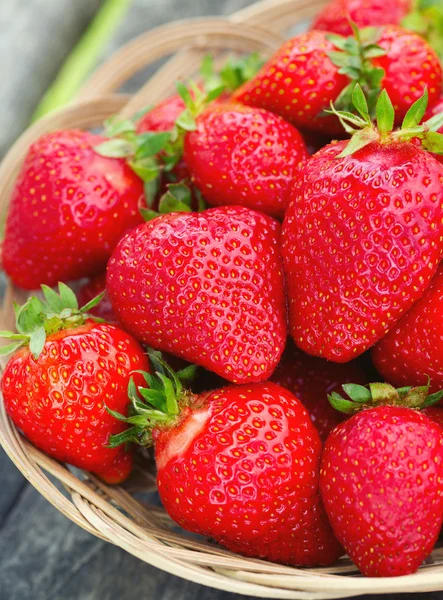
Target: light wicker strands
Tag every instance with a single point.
(111, 513)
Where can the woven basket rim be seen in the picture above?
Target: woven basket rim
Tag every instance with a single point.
(110, 512)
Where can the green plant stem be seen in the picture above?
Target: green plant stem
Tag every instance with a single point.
(83, 57)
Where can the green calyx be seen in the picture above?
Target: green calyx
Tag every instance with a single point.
(354, 56)
(426, 19)
(177, 198)
(382, 394)
(364, 130)
(234, 73)
(155, 152)
(157, 405)
(37, 318)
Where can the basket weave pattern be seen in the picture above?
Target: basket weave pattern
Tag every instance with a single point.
(112, 513)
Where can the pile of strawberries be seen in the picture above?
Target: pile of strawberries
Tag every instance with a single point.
(204, 233)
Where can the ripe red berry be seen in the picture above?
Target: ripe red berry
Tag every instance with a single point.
(241, 465)
(361, 239)
(381, 481)
(244, 156)
(69, 208)
(412, 350)
(207, 287)
(58, 395)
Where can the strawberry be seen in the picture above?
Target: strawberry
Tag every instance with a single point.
(92, 288)
(311, 380)
(239, 464)
(412, 351)
(65, 371)
(69, 208)
(207, 287)
(298, 83)
(362, 236)
(410, 66)
(163, 116)
(314, 69)
(336, 15)
(381, 479)
(435, 413)
(244, 156)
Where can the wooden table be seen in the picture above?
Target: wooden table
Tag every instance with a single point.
(43, 556)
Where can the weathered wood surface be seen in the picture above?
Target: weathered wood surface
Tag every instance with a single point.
(43, 556)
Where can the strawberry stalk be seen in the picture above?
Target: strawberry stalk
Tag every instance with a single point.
(83, 57)
(353, 57)
(152, 153)
(382, 394)
(37, 319)
(157, 405)
(364, 131)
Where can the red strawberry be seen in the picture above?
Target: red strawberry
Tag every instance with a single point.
(66, 370)
(207, 287)
(435, 413)
(91, 289)
(244, 156)
(311, 380)
(410, 66)
(381, 481)
(68, 210)
(163, 116)
(298, 83)
(254, 458)
(412, 351)
(362, 236)
(302, 79)
(336, 15)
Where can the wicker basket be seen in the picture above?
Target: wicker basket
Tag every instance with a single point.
(112, 513)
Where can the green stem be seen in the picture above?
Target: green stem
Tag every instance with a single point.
(83, 57)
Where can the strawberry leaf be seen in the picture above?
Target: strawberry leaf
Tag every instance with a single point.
(435, 123)
(87, 307)
(416, 112)
(184, 94)
(115, 148)
(148, 214)
(385, 113)
(340, 404)
(146, 168)
(151, 143)
(114, 126)
(186, 121)
(10, 348)
(357, 393)
(432, 399)
(37, 341)
(53, 299)
(359, 140)
(360, 103)
(151, 188)
(67, 296)
(433, 142)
